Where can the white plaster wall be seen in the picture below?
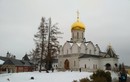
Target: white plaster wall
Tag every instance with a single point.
(75, 48)
(71, 62)
(61, 48)
(60, 63)
(90, 47)
(97, 51)
(89, 63)
(111, 61)
(66, 48)
(74, 35)
(82, 48)
(55, 65)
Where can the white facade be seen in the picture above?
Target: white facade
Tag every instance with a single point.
(89, 64)
(79, 53)
(111, 61)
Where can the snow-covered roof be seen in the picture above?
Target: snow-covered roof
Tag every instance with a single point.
(110, 52)
(79, 44)
(71, 44)
(1, 62)
(89, 55)
(17, 62)
(86, 43)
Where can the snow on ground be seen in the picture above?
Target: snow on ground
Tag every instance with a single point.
(47, 77)
(44, 77)
(1, 62)
(114, 75)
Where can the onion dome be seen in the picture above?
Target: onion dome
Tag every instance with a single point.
(78, 25)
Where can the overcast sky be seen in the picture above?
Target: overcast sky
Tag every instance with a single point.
(107, 21)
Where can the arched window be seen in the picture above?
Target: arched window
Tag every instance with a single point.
(108, 66)
(74, 63)
(96, 66)
(67, 51)
(82, 35)
(89, 51)
(116, 65)
(85, 66)
(77, 35)
(73, 35)
(60, 63)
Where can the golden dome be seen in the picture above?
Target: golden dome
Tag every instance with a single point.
(78, 26)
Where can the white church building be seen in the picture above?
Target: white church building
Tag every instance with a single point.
(80, 53)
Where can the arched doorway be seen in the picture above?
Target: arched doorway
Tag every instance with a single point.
(108, 66)
(66, 64)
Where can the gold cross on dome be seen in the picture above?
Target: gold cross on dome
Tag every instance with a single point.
(77, 15)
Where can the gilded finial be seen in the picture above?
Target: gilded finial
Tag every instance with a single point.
(78, 16)
(110, 45)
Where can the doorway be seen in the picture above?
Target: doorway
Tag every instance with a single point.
(108, 66)
(66, 64)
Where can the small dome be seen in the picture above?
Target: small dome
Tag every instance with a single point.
(78, 26)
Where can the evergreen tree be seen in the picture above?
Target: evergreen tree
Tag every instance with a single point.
(101, 76)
